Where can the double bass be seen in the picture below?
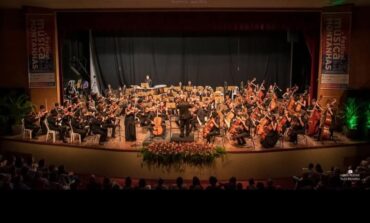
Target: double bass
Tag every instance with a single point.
(314, 119)
(325, 134)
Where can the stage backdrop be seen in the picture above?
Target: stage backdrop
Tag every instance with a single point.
(205, 60)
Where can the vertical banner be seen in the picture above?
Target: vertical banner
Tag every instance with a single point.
(40, 50)
(335, 37)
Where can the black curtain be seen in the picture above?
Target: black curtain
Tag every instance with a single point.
(75, 57)
(204, 60)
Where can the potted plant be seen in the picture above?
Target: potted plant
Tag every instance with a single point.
(14, 109)
(351, 113)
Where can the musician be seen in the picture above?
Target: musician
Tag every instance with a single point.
(79, 126)
(215, 129)
(152, 125)
(31, 121)
(42, 114)
(96, 125)
(130, 128)
(148, 80)
(184, 116)
(328, 112)
(70, 89)
(243, 128)
(297, 126)
(85, 88)
(270, 134)
(109, 122)
(108, 92)
(58, 109)
(201, 114)
(287, 94)
(55, 123)
(189, 84)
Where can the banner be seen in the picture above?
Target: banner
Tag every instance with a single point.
(40, 50)
(335, 37)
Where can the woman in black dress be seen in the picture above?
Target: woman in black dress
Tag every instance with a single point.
(130, 130)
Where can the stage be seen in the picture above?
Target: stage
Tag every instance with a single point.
(118, 158)
(172, 134)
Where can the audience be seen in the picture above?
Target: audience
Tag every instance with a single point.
(19, 173)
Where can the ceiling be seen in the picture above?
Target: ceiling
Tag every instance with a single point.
(146, 4)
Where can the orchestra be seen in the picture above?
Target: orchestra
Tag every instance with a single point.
(249, 111)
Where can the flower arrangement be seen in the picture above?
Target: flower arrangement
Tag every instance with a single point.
(167, 153)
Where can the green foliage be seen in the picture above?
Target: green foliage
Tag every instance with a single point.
(13, 109)
(367, 114)
(351, 113)
(178, 158)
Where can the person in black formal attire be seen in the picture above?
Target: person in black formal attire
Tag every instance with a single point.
(79, 127)
(243, 130)
(184, 116)
(130, 128)
(297, 127)
(43, 114)
(202, 114)
(31, 122)
(215, 130)
(96, 125)
(55, 123)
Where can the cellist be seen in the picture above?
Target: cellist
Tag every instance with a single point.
(212, 127)
(242, 128)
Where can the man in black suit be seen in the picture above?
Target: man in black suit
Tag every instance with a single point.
(79, 127)
(97, 128)
(55, 123)
(30, 123)
(185, 116)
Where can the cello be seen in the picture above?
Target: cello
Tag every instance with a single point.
(157, 128)
(208, 127)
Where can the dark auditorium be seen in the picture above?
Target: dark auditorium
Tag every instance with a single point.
(169, 95)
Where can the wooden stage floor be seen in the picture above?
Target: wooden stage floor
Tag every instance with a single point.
(143, 136)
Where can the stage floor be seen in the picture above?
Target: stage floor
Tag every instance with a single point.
(143, 137)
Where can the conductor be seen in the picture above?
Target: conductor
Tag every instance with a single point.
(185, 116)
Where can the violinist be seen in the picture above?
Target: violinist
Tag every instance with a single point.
(42, 115)
(55, 123)
(30, 123)
(130, 128)
(79, 126)
(96, 125)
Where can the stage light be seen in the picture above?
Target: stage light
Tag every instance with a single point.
(351, 113)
